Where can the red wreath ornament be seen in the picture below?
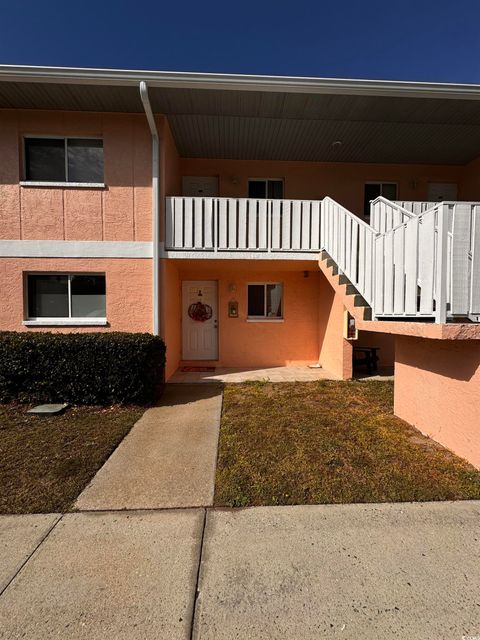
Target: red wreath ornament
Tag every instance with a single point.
(200, 312)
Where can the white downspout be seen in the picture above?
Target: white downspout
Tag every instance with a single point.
(155, 205)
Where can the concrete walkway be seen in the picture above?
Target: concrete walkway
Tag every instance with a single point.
(404, 571)
(168, 458)
(245, 374)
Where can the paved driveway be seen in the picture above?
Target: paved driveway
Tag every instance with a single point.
(356, 571)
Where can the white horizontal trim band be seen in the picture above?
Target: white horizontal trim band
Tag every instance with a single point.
(74, 249)
(66, 322)
(76, 185)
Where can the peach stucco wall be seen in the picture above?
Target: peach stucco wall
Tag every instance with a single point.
(335, 352)
(242, 343)
(314, 180)
(128, 291)
(120, 211)
(437, 389)
(312, 329)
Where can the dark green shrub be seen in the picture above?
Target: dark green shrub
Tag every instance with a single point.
(81, 368)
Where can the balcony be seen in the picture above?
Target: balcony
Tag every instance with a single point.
(242, 228)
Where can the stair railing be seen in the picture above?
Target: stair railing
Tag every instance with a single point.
(350, 242)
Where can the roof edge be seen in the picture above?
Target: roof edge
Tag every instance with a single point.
(244, 82)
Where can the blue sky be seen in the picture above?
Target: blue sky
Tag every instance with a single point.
(435, 40)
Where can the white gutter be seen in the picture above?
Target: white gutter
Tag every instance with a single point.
(155, 205)
(244, 82)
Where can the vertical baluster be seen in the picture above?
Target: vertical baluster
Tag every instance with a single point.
(243, 206)
(276, 224)
(178, 224)
(262, 224)
(169, 211)
(286, 225)
(232, 224)
(222, 222)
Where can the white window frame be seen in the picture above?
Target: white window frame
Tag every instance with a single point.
(67, 321)
(266, 318)
(266, 181)
(66, 183)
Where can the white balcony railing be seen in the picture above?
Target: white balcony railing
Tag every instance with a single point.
(242, 225)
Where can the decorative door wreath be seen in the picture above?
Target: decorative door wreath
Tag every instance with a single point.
(200, 312)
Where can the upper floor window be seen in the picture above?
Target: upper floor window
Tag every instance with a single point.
(375, 189)
(265, 188)
(77, 160)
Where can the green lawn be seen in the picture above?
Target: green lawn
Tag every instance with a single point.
(45, 462)
(329, 442)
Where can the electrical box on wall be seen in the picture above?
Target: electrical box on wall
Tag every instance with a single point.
(233, 309)
(350, 331)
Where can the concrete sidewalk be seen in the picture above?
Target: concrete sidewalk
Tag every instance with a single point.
(359, 572)
(107, 576)
(168, 458)
(403, 571)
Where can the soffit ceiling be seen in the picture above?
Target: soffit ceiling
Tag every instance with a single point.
(276, 125)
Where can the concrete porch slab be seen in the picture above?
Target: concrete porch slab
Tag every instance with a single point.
(406, 571)
(121, 576)
(19, 537)
(168, 458)
(245, 374)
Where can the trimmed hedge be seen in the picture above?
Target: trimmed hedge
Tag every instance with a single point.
(81, 368)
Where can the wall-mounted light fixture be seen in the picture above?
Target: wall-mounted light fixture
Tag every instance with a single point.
(233, 309)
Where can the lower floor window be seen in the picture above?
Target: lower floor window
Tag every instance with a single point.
(265, 300)
(66, 296)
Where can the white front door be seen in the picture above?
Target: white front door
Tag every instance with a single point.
(200, 186)
(199, 320)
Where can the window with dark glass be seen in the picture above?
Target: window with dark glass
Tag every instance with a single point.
(66, 296)
(64, 160)
(375, 189)
(265, 301)
(264, 188)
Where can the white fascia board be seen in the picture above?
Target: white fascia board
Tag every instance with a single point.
(74, 249)
(244, 82)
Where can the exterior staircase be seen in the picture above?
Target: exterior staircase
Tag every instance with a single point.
(405, 265)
